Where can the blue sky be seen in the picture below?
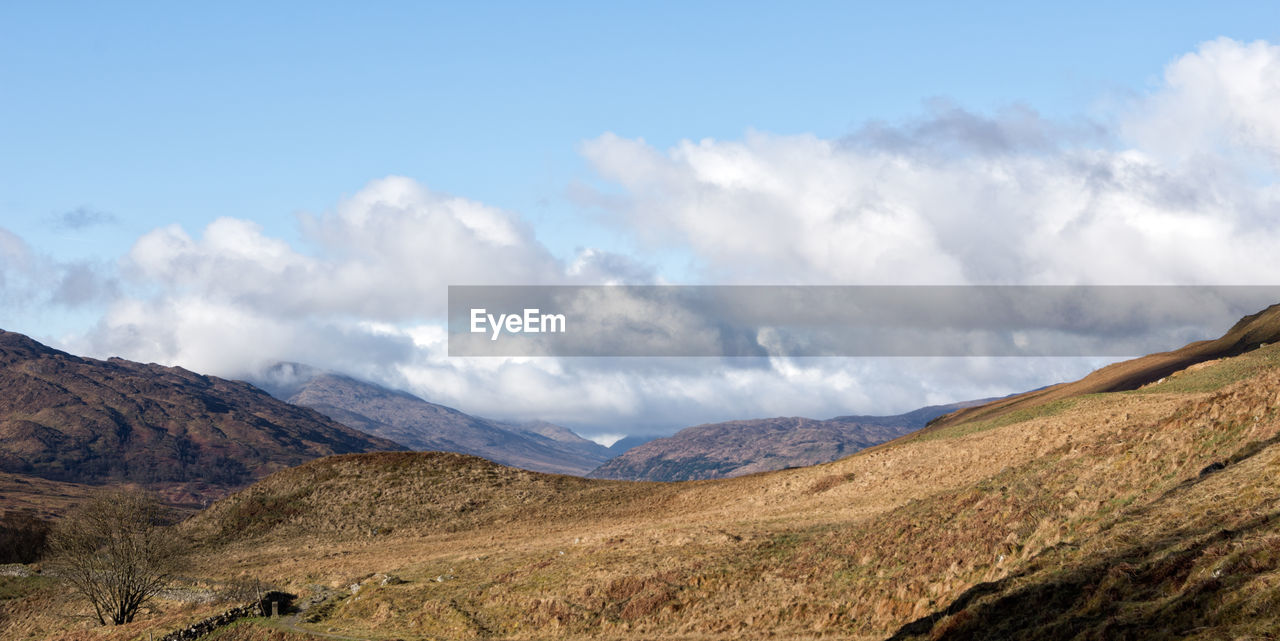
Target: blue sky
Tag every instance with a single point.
(223, 185)
(179, 112)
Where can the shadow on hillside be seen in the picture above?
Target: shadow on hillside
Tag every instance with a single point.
(1144, 591)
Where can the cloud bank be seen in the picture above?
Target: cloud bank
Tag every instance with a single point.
(1176, 186)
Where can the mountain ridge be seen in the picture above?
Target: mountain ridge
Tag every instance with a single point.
(735, 448)
(70, 418)
(422, 425)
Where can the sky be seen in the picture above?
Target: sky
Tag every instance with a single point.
(225, 185)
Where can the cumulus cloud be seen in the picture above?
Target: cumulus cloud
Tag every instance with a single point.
(1177, 187)
(958, 198)
(386, 254)
(31, 280)
(1218, 100)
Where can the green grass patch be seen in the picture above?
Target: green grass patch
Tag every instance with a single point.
(257, 629)
(16, 587)
(1052, 408)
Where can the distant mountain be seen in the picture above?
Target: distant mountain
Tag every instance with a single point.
(422, 425)
(625, 443)
(734, 448)
(565, 437)
(75, 419)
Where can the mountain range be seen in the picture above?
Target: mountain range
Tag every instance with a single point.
(425, 426)
(1148, 511)
(1145, 510)
(734, 448)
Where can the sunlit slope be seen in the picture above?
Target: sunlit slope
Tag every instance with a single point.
(1093, 493)
(409, 494)
(1247, 334)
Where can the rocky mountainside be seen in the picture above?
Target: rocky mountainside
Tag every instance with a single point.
(75, 419)
(421, 425)
(734, 448)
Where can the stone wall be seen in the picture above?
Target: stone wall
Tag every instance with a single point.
(207, 625)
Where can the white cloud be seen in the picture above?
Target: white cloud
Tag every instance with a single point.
(879, 217)
(388, 253)
(1220, 99)
(1183, 191)
(34, 285)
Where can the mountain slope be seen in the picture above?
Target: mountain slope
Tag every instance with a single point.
(734, 448)
(628, 442)
(1137, 514)
(1247, 334)
(421, 425)
(84, 420)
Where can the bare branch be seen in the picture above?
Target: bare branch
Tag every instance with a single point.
(115, 550)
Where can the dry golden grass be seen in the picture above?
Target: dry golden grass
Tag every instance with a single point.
(51, 612)
(1245, 336)
(1094, 512)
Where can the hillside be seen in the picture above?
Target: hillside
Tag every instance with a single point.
(42, 497)
(1148, 513)
(424, 426)
(1247, 334)
(82, 420)
(622, 445)
(734, 448)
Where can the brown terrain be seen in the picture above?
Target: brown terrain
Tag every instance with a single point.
(81, 420)
(421, 425)
(735, 448)
(42, 497)
(1247, 334)
(1148, 511)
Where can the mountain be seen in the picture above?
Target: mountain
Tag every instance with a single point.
(734, 448)
(421, 425)
(627, 442)
(73, 419)
(1148, 513)
(1247, 334)
(565, 437)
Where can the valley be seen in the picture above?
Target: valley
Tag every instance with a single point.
(1146, 510)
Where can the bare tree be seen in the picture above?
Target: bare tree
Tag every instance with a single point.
(117, 551)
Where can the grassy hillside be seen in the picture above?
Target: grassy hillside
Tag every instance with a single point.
(1147, 513)
(1097, 512)
(1246, 335)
